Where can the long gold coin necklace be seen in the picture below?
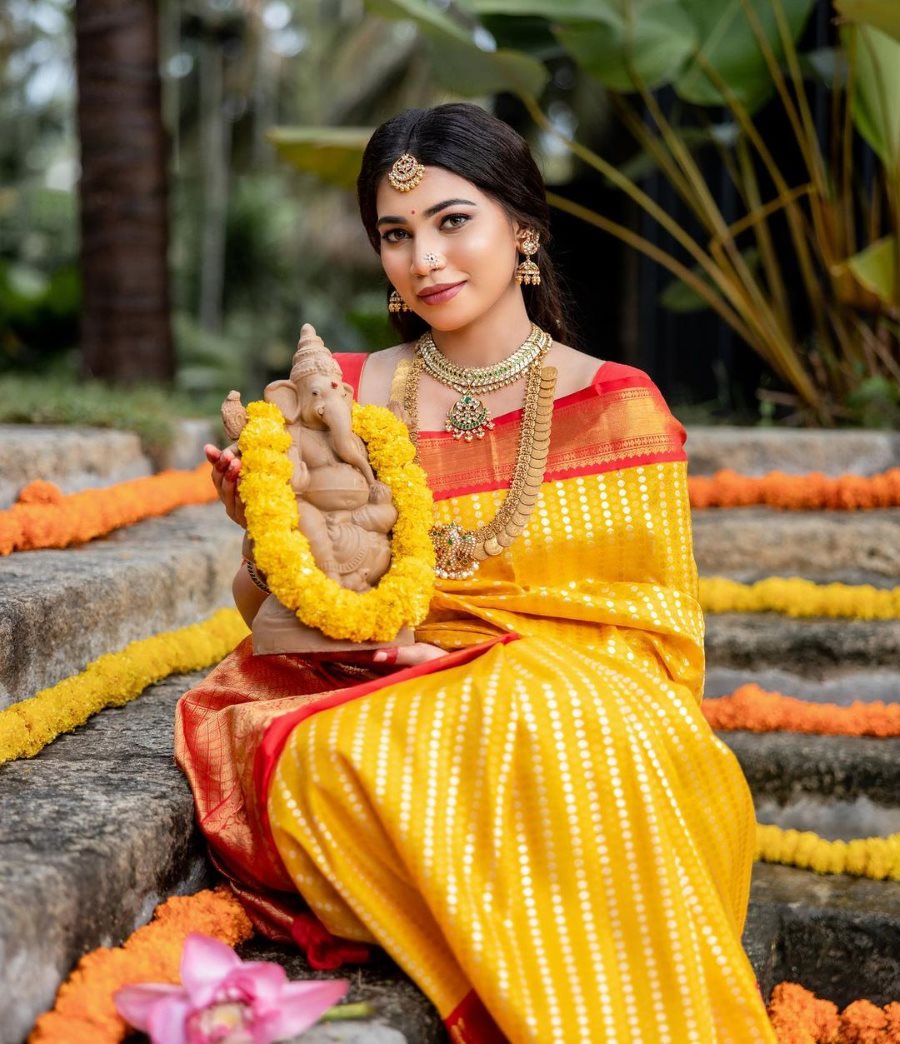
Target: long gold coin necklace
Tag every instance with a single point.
(459, 551)
(468, 417)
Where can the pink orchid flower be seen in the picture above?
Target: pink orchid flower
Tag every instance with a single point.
(224, 1000)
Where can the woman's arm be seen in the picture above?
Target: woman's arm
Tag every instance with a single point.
(248, 597)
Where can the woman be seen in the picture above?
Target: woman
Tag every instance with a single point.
(528, 810)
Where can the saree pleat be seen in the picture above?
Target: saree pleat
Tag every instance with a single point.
(548, 838)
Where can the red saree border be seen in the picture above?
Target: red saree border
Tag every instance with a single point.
(279, 730)
(618, 421)
(471, 1023)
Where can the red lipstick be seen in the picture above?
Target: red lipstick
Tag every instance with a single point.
(440, 292)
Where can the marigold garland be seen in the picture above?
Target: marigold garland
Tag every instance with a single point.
(115, 679)
(44, 517)
(811, 492)
(794, 596)
(282, 552)
(875, 857)
(84, 1012)
(800, 1017)
(755, 709)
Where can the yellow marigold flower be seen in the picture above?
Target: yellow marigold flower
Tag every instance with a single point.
(403, 596)
(800, 598)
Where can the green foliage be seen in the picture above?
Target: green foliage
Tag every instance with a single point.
(875, 403)
(463, 61)
(38, 314)
(875, 107)
(58, 398)
(882, 14)
(331, 153)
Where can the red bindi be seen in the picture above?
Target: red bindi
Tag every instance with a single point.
(334, 384)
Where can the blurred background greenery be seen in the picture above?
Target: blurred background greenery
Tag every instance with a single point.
(739, 145)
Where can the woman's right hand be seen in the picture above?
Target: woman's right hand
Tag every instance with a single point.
(226, 467)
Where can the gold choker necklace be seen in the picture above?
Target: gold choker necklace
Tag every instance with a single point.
(469, 418)
(459, 551)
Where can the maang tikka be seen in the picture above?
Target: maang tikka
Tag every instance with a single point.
(527, 271)
(406, 173)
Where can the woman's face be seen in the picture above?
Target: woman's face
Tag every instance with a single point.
(469, 233)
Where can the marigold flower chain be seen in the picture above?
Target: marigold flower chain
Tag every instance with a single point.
(875, 857)
(44, 517)
(810, 492)
(797, 597)
(282, 552)
(84, 1012)
(115, 679)
(754, 709)
(799, 1017)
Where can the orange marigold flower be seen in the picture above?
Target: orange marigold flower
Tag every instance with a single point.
(44, 517)
(814, 491)
(863, 1023)
(756, 710)
(84, 1012)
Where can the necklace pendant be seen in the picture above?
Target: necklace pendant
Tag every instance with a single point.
(454, 551)
(469, 418)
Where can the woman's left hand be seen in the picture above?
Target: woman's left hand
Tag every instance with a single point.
(408, 655)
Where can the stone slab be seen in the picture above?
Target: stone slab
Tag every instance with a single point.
(829, 817)
(843, 687)
(74, 458)
(94, 832)
(838, 936)
(192, 434)
(786, 765)
(748, 544)
(399, 1005)
(811, 647)
(61, 609)
(98, 829)
(757, 451)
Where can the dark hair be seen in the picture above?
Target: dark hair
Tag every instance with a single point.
(470, 142)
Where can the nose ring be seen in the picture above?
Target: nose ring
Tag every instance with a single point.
(432, 260)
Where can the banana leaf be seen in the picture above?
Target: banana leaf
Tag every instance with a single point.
(459, 63)
(873, 268)
(648, 39)
(882, 14)
(876, 110)
(730, 46)
(333, 154)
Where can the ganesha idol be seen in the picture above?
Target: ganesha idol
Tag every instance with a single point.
(345, 513)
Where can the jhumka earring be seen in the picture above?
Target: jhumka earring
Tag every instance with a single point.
(397, 304)
(527, 271)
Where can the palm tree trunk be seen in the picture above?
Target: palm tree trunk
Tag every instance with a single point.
(125, 329)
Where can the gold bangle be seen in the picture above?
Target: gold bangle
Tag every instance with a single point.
(253, 573)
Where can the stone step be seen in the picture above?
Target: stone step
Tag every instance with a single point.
(95, 832)
(77, 458)
(842, 686)
(784, 765)
(61, 609)
(811, 647)
(757, 451)
(852, 547)
(838, 936)
(73, 458)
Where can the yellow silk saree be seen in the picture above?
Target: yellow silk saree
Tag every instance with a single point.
(539, 827)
